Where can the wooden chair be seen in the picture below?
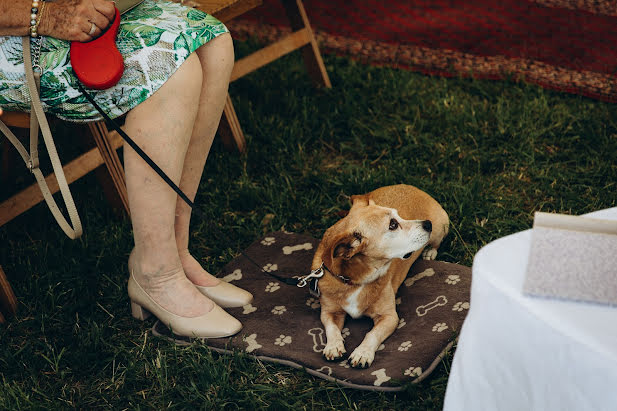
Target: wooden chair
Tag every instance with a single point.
(107, 142)
(301, 38)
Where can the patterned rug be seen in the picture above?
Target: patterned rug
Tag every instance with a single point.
(282, 323)
(566, 45)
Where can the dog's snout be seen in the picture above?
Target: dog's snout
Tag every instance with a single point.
(427, 225)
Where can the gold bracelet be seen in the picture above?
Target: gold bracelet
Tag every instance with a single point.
(38, 6)
(41, 14)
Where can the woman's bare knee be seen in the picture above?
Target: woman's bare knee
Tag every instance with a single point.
(217, 56)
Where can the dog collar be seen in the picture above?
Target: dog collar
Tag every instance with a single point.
(340, 277)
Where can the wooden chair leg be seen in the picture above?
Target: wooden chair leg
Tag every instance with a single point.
(10, 162)
(114, 166)
(312, 57)
(8, 301)
(230, 130)
(5, 164)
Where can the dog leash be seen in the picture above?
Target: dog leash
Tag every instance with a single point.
(311, 279)
(139, 151)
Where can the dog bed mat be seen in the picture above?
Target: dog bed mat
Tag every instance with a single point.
(282, 323)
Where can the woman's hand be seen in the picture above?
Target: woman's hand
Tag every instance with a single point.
(76, 20)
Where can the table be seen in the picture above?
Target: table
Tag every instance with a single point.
(523, 353)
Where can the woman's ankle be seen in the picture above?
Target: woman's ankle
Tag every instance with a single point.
(195, 272)
(169, 287)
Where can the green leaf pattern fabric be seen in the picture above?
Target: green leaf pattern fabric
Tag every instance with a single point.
(155, 38)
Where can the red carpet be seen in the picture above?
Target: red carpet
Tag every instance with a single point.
(568, 45)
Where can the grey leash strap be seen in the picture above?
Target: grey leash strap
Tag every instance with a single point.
(37, 116)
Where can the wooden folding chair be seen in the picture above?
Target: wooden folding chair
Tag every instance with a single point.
(111, 178)
(301, 38)
(107, 142)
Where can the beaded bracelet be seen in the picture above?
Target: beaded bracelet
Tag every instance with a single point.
(35, 17)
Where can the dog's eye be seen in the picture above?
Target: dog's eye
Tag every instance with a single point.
(393, 224)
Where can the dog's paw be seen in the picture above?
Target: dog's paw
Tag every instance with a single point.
(429, 254)
(361, 357)
(334, 350)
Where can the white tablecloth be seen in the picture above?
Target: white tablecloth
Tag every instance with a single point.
(524, 353)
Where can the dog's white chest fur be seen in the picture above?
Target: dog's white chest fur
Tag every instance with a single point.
(352, 306)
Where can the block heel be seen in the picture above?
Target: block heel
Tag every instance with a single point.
(139, 312)
(214, 324)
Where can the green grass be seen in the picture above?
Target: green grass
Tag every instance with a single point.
(491, 152)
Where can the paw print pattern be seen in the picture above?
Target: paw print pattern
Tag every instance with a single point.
(401, 323)
(268, 241)
(270, 267)
(272, 287)
(405, 346)
(413, 371)
(439, 327)
(460, 306)
(313, 303)
(283, 340)
(453, 279)
(279, 310)
(345, 332)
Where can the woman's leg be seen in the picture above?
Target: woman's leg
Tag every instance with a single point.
(217, 60)
(162, 126)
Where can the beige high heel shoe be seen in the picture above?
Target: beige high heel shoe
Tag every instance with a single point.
(214, 324)
(226, 295)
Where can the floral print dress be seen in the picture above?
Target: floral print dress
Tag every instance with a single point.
(155, 38)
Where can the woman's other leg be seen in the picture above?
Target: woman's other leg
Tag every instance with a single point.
(217, 60)
(162, 126)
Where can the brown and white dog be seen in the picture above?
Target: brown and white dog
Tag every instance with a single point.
(367, 255)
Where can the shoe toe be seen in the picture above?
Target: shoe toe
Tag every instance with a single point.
(216, 323)
(227, 295)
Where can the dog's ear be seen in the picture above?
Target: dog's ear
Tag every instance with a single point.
(359, 199)
(347, 246)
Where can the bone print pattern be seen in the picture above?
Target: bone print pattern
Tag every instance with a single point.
(283, 321)
(326, 370)
(439, 301)
(381, 377)
(288, 250)
(236, 275)
(319, 339)
(429, 272)
(251, 340)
